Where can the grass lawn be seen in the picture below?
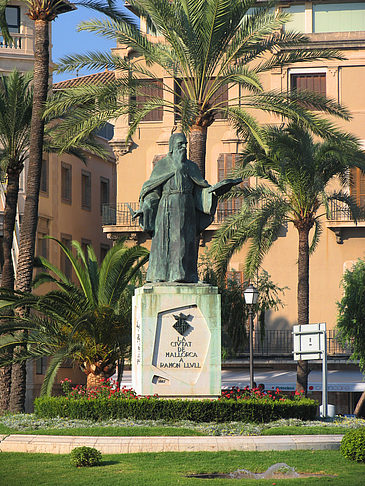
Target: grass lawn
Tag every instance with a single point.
(170, 468)
(295, 430)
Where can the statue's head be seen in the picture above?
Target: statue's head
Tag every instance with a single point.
(177, 145)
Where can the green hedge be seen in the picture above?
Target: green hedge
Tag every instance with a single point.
(195, 410)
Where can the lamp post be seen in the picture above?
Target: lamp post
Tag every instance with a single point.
(251, 295)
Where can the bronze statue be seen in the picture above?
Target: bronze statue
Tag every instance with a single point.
(176, 205)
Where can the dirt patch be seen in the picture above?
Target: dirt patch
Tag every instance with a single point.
(276, 471)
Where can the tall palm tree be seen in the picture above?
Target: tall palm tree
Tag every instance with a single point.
(89, 323)
(297, 171)
(207, 47)
(15, 114)
(16, 98)
(42, 12)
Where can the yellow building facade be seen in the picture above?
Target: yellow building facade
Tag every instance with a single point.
(336, 25)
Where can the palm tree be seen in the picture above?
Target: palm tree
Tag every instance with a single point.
(15, 115)
(297, 171)
(16, 97)
(89, 323)
(42, 12)
(206, 47)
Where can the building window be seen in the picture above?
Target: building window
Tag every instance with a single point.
(84, 244)
(103, 251)
(85, 190)
(226, 163)
(42, 242)
(339, 17)
(297, 21)
(106, 131)
(308, 81)
(66, 183)
(219, 98)
(151, 88)
(104, 193)
(42, 245)
(41, 366)
(357, 186)
(12, 17)
(66, 265)
(44, 177)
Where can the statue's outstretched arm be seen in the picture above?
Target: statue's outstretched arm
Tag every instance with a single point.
(224, 186)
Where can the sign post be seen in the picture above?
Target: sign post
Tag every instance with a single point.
(310, 342)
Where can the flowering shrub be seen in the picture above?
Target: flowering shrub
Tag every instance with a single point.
(108, 389)
(258, 393)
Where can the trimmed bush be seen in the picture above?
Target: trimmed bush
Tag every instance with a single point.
(353, 445)
(85, 457)
(250, 410)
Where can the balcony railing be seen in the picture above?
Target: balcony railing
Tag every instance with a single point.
(280, 344)
(340, 212)
(120, 215)
(17, 41)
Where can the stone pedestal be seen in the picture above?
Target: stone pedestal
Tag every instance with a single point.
(177, 340)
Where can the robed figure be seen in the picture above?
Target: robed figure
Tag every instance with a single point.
(176, 205)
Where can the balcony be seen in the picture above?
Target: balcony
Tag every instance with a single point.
(120, 218)
(18, 41)
(279, 344)
(341, 219)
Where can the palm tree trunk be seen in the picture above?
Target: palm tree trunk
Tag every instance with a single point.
(30, 218)
(360, 406)
(198, 146)
(5, 387)
(303, 298)
(94, 381)
(11, 202)
(7, 279)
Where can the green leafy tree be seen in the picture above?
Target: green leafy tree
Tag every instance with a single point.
(296, 171)
(89, 323)
(206, 47)
(42, 12)
(351, 319)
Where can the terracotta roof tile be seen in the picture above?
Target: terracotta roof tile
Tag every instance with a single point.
(97, 78)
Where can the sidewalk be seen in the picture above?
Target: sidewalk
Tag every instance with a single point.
(125, 445)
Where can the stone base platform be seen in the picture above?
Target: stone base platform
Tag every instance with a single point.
(176, 340)
(125, 445)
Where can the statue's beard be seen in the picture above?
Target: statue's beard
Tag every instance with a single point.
(180, 155)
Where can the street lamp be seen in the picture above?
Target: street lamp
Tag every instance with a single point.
(251, 295)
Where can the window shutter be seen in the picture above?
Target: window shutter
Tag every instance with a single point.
(357, 186)
(151, 88)
(226, 163)
(315, 82)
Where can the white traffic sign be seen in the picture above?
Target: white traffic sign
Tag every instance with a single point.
(310, 342)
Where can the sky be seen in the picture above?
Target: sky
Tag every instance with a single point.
(66, 40)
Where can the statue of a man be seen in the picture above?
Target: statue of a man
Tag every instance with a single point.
(176, 205)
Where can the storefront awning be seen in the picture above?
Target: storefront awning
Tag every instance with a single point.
(338, 380)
